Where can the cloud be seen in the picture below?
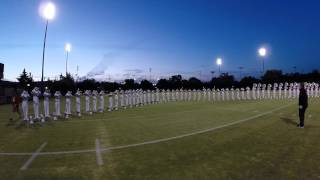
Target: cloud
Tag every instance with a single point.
(109, 58)
(134, 71)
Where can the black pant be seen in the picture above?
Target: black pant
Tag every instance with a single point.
(301, 115)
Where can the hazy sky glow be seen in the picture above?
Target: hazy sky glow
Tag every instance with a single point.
(124, 38)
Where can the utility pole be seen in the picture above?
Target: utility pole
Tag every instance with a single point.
(212, 73)
(240, 72)
(150, 69)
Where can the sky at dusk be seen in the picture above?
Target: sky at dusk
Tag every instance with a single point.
(118, 39)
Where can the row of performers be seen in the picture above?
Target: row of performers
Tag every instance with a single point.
(94, 100)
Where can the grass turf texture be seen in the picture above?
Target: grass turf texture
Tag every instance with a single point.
(267, 147)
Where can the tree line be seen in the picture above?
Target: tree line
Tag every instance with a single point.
(225, 80)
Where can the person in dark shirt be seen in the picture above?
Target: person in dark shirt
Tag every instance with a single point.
(16, 101)
(303, 104)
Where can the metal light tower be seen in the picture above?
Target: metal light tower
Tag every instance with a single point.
(67, 49)
(240, 72)
(219, 63)
(48, 12)
(262, 53)
(212, 73)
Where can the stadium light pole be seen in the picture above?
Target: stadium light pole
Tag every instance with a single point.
(262, 53)
(219, 63)
(48, 12)
(67, 49)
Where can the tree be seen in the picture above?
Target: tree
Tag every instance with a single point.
(272, 76)
(145, 85)
(66, 83)
(195, 83)
(223, 81)
(248, 81)
(25, 79)
(163, 84)
(88, 84)
(130, 84)
(176, 82)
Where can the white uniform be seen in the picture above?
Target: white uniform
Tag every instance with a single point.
(35, 96)
(141, 97)
(199, 95)
(87, 94)
(130, 98)
(275, 86)
(94, 100)
(78, 102)
(248, 93)
(101, 101)
(218, 95)
(68, 104)
(269, 91)
(121, 97)
(232, 94)
(25, 108)
(57, 96)
(46, 103)
(116, 100)
(110, 98)
(227, 94)
(163, 96)
(243, 97)
(213, 95)
(222, 94)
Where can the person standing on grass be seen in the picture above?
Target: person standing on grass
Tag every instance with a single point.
(35, 96)
(16, 101)
(57, 96)
(78, 102)
(46, 103)
(25, 109)
(68, 104)
(101, 102)
(303, 105)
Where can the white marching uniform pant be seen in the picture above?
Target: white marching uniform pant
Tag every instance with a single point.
(25, 110)
(110, 103)
(57, 107)
(87, 104)
(78, 105)
(46, 107)
(116, 101)
(101, 107)
(36, 108)
(68, 106)
(94, 103)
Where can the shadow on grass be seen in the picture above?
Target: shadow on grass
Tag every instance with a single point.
(292, 122)
(288, 121)
(11, 122)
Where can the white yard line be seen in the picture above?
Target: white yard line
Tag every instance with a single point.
(153, 141)
(194, 133)
(34, 155)
(98, 153)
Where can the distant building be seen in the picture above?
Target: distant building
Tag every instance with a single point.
(1, 70)
(7, 90)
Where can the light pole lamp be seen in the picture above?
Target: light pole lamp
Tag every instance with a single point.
(48, 11)
(262, 53)
(67, 49)
(219, 63)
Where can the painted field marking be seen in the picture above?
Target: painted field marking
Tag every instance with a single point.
(194, 133)
(153, 141)
(34, 155)
(98, 153)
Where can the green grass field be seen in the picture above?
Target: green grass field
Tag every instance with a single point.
(177, 140)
